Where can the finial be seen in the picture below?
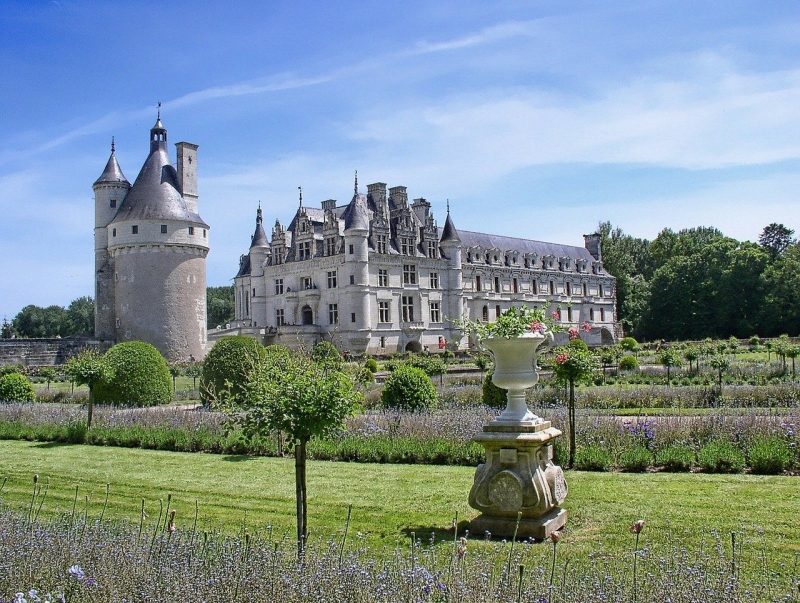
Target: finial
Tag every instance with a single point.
(259, 204)
(300, 188)
(159, 110)
(448, 206)
(113, 148)
(355, 185)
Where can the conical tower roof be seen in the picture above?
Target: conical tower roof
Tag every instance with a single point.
(259, 236)
(112, 171)
(449, 232)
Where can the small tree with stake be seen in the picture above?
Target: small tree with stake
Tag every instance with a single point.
(89, 368)
(300, 398)
(669, 357)
(573, 365)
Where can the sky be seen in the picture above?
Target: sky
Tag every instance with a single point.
(536, 119)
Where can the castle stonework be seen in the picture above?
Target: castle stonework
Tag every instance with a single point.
(378, 276)
(150, 253)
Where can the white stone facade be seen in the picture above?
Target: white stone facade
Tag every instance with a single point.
(378, 276)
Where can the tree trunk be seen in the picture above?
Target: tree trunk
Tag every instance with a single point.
(300, 494)
(571, 423)
(91, 409)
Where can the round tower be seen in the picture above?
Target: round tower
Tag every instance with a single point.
(356, 256)
(110, 190)
(259, 250)
(158, 244)
(450, 245)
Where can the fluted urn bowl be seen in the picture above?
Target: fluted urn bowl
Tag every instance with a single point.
(515, 371)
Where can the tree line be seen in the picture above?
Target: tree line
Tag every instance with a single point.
(698, 283)
(77, 319)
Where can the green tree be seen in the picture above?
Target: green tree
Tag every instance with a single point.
(295, 396)
(140, 378)
(228, 366)
(721, 363)
(219, 305)
(781, 308)
(34, 321)
(409, 388)
(669, 357)
(47, 373)
(194, 369)
(89, 368)
(7, 330)
(571, 366)
(327, 355)
(692, 354)
(80, 317)
(16, 387)
(176, 369)
(775, 239)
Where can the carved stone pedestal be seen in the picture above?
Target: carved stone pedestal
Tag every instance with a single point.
(518, 477)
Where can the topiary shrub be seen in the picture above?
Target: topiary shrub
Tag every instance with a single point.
(578, 344)
(677, 457)
(326, 353)
(141, 376)
(721, 456)
(371, 365)
(636, 459)
(629, 344)
(15, 387)
(629, 363)
(409, 388)
(227, 367)
(432, 365)
(492, 395)
(769, 455)
(592, 458)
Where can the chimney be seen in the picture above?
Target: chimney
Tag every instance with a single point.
(399, 195)
(592, 244)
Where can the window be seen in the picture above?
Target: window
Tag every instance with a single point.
(191, 230)
(497, 284)
(307, 283)
(406, 246)
(383, 277)
(254, 291)
(278, 286)
(352, 279)
(432, 251)
(569, 288)
(380, 243)
(602, 314)
(409, 274)
(112, 203)
(407, 306)
(515, 286)
(331, 279)
(600, 290)
(330, 246)
(352, 317)
(383, 342)
(163, 229)
(279, 317)
(350, 249)
(552, 288)
(434, 280)
(204, 233)
(384, 314)
(436, 315)
(585, 290)
(478, 283)
(497, 311)
(113, 232)
(569, 314)
(304, 250)
(591, 313)
(486, 313)
(333, 314)
(135, 229)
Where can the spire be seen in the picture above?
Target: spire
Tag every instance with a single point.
(448, 206)
(259, 219)
(355, 185)
(113, 147)
(158, 133)
(112, 171)
(259, 238)
(300, 188)
(449, 232)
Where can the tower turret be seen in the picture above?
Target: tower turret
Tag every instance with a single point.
(110, 190)
(356, 248)
(451, 247)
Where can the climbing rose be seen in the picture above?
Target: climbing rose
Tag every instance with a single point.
(573, 333)
(587, 327)
(562, 358)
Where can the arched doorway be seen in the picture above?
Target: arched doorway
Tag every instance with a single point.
(606, 337)
(307, 315)
(414, 346)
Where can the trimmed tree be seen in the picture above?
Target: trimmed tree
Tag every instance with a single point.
(228, 366)
(47, 373)
(669, 357)
(293, 395)
(721, 363)
(409, 388)
(89, 368)
(16, 387)
(140, 376)
(571, 366)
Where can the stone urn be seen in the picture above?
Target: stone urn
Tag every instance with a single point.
(518, 487)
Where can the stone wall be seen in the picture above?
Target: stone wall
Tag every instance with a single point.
(44, 352)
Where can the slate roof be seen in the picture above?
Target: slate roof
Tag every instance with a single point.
(449, 232)
(112, 171)
(356, 215)
(489, 241)
(155, 194)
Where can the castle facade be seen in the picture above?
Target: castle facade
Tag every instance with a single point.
(377, 275)
(150, 252)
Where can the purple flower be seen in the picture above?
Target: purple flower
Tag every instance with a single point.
(90, 581)
(76, 572)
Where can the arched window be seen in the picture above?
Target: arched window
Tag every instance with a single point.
(307, 315)
(486, 313)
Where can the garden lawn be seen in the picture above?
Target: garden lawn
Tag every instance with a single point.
(391, 501)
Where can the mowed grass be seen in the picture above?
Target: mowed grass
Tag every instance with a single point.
(391, 501)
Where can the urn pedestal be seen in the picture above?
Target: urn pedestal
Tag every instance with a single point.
(518, 487)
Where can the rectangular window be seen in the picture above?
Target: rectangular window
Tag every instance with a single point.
(436, 315)
(135, 229)
(278, 286)
(478, 283)
(569, 288)
(307, 283)
(602, 314)
(330, 246)
(497, 312)
(113, 203)
(552, 288)
(331, 279)
(204, 233)
(280, 320)
(384, 314)
(585, 290)
(407, 307)
(406, 246)
(383, 278)
(333, 314)
(434, 280)
(113, 232)
(191, 230)
(409, 274)
(350, 249)
(163, 229)
(352, 279)
(515, 286)
(304, 250)
(432, 249)
(600, 290)
(383, 342)
(497, 284)
(591, 313)
(352, 317)
(380, 243)
(569, 313)
(254, 291)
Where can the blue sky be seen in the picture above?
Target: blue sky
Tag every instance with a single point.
(536, 119)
